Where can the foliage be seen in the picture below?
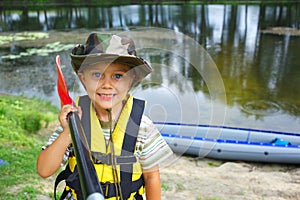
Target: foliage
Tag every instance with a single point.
(20, 119)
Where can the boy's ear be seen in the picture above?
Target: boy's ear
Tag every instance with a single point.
(81, 77)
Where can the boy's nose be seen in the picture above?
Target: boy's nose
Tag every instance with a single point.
(106, 81)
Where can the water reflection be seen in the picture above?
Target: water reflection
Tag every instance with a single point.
(189, 19)
(260, 71)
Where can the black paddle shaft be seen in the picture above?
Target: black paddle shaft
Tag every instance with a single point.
(87, 174)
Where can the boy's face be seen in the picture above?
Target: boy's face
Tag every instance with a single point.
(107, 84)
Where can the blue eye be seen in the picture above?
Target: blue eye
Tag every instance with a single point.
(97, 75)
(117, 76)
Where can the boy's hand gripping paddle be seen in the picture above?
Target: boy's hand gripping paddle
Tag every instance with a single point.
(89, 183)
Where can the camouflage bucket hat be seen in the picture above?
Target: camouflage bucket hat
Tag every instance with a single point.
(109, 48)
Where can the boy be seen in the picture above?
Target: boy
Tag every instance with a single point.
(108, 68)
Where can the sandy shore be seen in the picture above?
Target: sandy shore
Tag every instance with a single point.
(190, 178)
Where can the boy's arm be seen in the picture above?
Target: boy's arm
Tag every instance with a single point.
(152, 183)
(50, 159)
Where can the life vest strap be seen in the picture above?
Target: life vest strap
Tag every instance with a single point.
(128, 147)
(101, 158)
(109, 189)
(63, 175)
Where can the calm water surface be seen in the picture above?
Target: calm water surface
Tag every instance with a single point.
(237, 77)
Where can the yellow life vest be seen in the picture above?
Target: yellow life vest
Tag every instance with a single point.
(124, 137)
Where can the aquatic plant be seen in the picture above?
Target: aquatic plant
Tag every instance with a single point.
(44, 51)
(31, 36)
(5, 39)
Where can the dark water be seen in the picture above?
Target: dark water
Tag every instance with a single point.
(239, 76)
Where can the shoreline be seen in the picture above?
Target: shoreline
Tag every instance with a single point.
(192, 178)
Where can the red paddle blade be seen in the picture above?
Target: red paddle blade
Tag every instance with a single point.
(61, 85)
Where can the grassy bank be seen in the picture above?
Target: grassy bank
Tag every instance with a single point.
(20, 120)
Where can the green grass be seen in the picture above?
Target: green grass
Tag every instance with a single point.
(166, 187)
(20, 120)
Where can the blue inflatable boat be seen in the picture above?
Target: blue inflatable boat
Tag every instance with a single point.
(229, 143)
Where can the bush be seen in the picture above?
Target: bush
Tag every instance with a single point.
(31, 121)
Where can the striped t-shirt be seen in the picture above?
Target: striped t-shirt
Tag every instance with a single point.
(151, 148)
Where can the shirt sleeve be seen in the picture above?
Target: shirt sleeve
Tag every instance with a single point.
(152, 149)
(52, 138)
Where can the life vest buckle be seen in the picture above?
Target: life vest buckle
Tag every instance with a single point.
(101, 158)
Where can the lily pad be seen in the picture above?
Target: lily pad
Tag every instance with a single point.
(44, 51)
(5, 39)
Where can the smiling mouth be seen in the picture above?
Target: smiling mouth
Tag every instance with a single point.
(106, 97)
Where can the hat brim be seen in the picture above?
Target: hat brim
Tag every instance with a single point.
(142, 68)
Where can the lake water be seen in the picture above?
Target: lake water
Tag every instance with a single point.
(212, 64)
